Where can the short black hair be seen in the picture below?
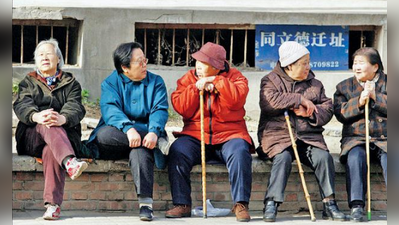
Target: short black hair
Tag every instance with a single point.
(372, 56)
(123, 54)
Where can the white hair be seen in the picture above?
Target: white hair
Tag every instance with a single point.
(57, 50)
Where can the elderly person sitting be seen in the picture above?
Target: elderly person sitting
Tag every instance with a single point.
(134, 108)
(226, 136)
(292, 86)
(369, 82)
(49, 108)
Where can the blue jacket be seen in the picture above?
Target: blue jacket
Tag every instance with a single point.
(126, 104)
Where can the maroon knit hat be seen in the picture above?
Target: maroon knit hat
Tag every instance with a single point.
(212, 54)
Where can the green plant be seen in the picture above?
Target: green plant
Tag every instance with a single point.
(173, 116)
(85, 96)
(15, 88)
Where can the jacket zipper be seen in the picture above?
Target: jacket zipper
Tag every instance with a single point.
(210, 118)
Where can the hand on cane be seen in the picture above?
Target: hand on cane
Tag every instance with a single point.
(368, 92)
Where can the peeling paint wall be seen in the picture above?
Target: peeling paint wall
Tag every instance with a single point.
(104, 29)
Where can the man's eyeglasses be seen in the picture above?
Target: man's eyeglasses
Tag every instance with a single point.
(141, 62)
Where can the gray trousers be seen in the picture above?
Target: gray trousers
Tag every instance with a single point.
(319, 160)
(113, 144)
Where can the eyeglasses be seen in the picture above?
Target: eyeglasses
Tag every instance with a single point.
(141, 62)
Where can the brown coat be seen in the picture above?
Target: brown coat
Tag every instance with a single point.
(278, 93)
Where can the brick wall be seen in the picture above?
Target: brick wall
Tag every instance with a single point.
(109, 186)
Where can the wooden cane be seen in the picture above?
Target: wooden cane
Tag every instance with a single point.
(298, 161)
(203, 155)
(368, 159)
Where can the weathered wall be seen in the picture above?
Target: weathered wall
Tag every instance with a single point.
(104, 29)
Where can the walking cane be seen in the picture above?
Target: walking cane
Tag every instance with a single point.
(203, 155)
(368, 159)
(298, 161)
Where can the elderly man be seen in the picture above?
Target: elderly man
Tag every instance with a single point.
(226, 136)
(50, 109)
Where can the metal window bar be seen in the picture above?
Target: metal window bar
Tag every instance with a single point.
(145, 41)
(245, 48)
(37, 35)
(188, 46)
(231, 46)
(203, 37)
(52, 30)
(159, 47)
(67, 45)
(217, 33)
(173, 47)
(22, 44)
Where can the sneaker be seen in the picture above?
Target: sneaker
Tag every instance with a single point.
(52, 213)
(241, 211)
(75, 167)
(146, 213)
(179, 211)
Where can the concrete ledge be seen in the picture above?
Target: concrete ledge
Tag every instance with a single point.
(28, 163)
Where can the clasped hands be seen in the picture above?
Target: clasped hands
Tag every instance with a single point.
(149, 141)
(49, 118)
(306, 108)
(368, 92)
(205, 83)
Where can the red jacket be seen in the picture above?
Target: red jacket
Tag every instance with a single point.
(223, 109)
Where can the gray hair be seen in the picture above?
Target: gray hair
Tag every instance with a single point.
(57, 49)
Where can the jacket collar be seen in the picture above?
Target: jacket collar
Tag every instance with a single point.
(280, 71)
(126, 79)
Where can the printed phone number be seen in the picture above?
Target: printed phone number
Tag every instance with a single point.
(324, 64)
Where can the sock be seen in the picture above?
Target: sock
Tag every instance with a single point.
(145, 201)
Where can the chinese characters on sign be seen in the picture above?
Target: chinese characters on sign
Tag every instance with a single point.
(328, 45)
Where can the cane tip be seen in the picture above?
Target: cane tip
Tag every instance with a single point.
(369, 216)
(313, 219)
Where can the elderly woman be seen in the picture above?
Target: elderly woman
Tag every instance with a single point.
(226, 136)
(292, 87)
(368, 82)
(49, 110)
(134, 108)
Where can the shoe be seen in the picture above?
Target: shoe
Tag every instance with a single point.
(75, 167)
(179, 211)
(270, 211)
(357, 213)
(52, 213)
(241, 211)
(331, 211)
(146, 213)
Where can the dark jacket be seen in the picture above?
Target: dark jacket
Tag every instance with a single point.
(278, 93)
(34, 96)
(348, 112)
(223, 109)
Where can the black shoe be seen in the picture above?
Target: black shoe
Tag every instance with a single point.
(331, 211)
(270, 211)
(357, 214)
(146, 213)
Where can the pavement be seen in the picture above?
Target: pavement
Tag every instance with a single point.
(34, 217)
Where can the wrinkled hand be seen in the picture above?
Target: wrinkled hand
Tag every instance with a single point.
(309, 106)
(205, 83)
(150, 140)
(134, 138)
(301, 111)
(370, 87)
(49, 117)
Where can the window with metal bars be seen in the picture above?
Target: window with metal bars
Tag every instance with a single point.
(26, 34)
(173, 44)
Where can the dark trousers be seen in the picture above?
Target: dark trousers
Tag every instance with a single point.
(319, 160)
(52, 145)
(356, 171)
(185, 152)
(113, 144)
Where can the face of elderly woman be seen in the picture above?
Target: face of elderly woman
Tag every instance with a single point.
(300, 69)
(138, 66)
(204, 69)
(47, 60)
(363, 69)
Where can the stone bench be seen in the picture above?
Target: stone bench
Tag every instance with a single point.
(108, 186)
